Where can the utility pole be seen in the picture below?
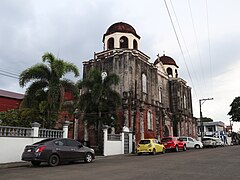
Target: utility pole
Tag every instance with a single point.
(201, 101)
(75, 129)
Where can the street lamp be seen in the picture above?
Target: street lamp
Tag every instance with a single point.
(201, 101)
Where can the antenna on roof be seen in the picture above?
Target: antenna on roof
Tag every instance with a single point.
(58, 53)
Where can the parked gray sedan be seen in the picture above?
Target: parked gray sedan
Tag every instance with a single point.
(54, 151)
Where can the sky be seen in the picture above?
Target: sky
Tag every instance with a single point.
(205, 43)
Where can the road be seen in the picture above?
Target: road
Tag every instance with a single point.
(219, 163)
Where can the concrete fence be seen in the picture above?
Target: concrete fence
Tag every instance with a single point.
(14, 139)
(115, 144)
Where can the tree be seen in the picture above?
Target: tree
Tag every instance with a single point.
(99, 101)
(18, 117)
(46, 91)
(235, 110)
(206, 119)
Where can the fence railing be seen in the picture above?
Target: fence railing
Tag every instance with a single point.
(34, 131)
(114, 137)
(46, 133)
(15, 131)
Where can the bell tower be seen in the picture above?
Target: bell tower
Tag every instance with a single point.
(121, 36)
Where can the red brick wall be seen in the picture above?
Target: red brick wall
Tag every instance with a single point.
(8, 103)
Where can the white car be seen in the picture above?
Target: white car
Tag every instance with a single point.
(191, 142)
(219, 142)
(209, 142)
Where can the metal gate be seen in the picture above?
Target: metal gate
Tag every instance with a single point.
(126, 143)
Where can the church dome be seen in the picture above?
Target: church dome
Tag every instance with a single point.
(121, 27)
(166, 60)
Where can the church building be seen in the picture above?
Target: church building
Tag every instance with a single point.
(156, 102)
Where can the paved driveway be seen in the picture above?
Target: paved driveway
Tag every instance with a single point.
(218, 163)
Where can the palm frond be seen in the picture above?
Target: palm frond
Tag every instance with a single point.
(36, 72)
(70, 67)
(49, 57)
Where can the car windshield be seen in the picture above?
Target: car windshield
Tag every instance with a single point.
(183, 139)
(144, 142)
(207, 139)
(166, 139)
(43, 141)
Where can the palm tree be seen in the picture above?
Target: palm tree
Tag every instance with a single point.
(99, 101)
(46, 92)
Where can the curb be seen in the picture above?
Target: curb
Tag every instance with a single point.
(14, 165)
(25, 164)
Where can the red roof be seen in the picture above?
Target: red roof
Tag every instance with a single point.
(9, 94)
(166, 60)
(121, 27)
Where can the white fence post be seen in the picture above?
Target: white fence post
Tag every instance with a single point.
(35, 127)
(122, 134)
(131, 143)
(65, 129)
(105, 139)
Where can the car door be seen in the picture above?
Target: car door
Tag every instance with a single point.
(191, 142)
(77, 151)
(62, 149)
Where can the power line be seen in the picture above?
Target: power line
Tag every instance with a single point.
(9, 72)
(209, 47)
(185, 44)
(8, 75)
(196, 39)
(180, 46)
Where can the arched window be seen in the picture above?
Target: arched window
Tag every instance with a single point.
(184, 102)
(123, 42)
(160, 94)
(149, 120)
(135, 44)
(176, 73)
(169, 71)
(144, 83)
(110, 44)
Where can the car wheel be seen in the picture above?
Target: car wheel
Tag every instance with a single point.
(36, 163)
(197, 146)
(53, 160)
(88, 158)
(176, 149)
(139, 154)
(163, 151)
(154, 152)
(184, 148)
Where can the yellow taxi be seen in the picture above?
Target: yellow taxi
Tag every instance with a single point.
(151, 146)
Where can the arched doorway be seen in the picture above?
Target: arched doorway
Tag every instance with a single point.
(123, 42)
(110, 43)
(135, 44)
